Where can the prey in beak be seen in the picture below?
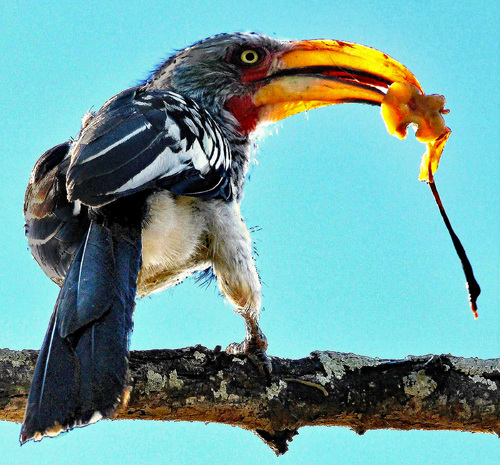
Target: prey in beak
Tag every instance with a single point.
(314, 73)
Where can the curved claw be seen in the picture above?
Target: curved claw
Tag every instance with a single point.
(256, 354)
(263, 363)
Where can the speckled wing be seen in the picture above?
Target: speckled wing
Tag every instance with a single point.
(142, 140)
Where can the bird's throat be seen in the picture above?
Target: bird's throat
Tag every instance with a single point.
(245, 111)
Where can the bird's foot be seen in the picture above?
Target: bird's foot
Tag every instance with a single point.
(254, 346)
(256, 355)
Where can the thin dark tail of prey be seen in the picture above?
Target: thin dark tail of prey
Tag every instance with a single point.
(81, 372)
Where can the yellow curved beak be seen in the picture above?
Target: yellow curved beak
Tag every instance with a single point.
(316, 73)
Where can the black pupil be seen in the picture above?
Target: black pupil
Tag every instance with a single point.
(250, 56)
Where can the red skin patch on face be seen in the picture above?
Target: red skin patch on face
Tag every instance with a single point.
(249, 75)
(242, 106)
(245, 111)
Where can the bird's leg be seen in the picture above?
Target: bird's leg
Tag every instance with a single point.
(255, 343)
(231, 253)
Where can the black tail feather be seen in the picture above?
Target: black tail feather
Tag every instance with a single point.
(81, 371)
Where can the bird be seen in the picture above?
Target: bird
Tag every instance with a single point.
(149, 193)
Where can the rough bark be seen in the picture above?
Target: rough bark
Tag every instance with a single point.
(431, 392)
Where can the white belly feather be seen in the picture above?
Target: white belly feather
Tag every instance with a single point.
(173, 232)
(172, 242)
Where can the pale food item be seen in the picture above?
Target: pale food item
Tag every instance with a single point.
(405, 104)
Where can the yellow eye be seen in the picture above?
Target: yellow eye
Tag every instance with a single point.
(249, 57)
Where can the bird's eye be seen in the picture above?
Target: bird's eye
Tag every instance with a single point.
(250, 56)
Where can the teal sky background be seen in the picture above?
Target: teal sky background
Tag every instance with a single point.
(352, 251)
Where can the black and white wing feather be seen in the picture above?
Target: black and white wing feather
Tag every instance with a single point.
(147, 140)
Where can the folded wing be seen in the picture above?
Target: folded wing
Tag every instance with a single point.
(142, 140)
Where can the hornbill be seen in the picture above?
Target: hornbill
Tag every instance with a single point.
(149, 192)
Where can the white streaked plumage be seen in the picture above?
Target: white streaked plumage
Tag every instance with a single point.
(118, 142)
(123, 149)
(166, 164)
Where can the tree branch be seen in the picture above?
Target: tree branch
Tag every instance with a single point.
(431, 392)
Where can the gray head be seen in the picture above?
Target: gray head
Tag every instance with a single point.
(245, 79)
